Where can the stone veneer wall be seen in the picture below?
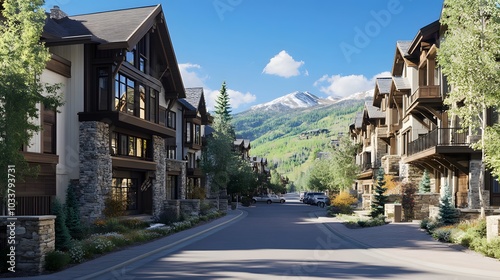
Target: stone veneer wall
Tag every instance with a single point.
(35, 237)
(190, 207)
(95, 169)
(159, 188)
(473, 198)
(422, 203)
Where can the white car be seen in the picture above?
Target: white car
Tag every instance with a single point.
(320, 200)
(268, 198)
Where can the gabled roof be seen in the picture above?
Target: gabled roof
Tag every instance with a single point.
(428, 33)
(111, 29)
(358, 121)
(382, 87)
(400, 57)
(196, 100)
(373, 112)
(401, 83)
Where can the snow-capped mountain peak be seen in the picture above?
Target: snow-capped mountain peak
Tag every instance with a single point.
(297, 99)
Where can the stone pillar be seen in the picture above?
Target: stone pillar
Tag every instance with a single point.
(159, 188)
(172, 207)
(183, 186)
(492, 227)
(95, 169)
(34, 237)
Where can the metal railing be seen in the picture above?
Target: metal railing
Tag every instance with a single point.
(438, 137)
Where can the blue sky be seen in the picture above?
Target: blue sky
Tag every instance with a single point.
(265, 49)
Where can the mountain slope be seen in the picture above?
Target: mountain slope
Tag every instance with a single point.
(294, 100)
(278, 138)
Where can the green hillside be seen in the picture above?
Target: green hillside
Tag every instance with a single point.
(291, 139)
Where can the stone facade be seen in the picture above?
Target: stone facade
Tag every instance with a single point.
(422, 203)
(390, 164)
(173, 207)
(393, 212)
(34, 238)
(95, 169)
(159, 190)
(190, 207)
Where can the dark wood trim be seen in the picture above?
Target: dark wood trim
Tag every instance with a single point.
(59, 65)
(41, 158)
(127, 121)
(136, 164)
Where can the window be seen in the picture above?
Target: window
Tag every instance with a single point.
(103, 90)
(124, 190)
(188, 132)
(197, 134)
(126, 145)
(131, 56)
(171, 119)
(124, 94)
(143, 54)
(162, 116)
(171, 187)
(142, 102)
(49, 131)
(171, 152)
(153, 105)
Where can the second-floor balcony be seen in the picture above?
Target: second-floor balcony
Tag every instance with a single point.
(440, 137)
(425, 93)
(382, 131)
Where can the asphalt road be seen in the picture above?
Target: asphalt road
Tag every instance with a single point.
(277, 241)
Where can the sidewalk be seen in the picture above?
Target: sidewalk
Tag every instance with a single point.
(407, 242)
(116, 260)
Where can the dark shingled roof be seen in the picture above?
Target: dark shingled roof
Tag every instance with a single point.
(193, 96)
(403, 46)
(373, 112)
(384, 84)
(401, 83)
(186, 104)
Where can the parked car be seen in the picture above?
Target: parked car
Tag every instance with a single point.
(268, 198)
(309, 196)
(320, 200)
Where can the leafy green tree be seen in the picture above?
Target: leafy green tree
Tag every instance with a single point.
(379, 198)
(320, 177)
(22, 60)
(447, 213)
(243, 180)
(469, 58)
(425, 184)
(343, 164)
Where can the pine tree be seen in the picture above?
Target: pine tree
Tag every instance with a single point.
(63, 237)
(425, 184)
(72, 213)
(447, 213)
(22, 60)
(223, 107)
(379, 198)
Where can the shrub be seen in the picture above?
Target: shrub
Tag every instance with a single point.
(56, 260)
(168, 216)
(332, 211)
(425, 184)
(443, 234)
(379, 198)
(63, 238)
(204, 207)
(76, 252)
(447, 213)
(246, 201)
(134, 223)
(113, 207)
(373, 222)
(109, 225)
(343, 201)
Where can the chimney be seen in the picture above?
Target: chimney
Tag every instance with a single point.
(56, 13)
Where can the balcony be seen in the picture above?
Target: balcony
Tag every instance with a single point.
(439, 137)
(382, 131)
(425, 93)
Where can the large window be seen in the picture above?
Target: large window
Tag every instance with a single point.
(197, 134)
(103, 89)
(189, 133)
(153, 105)
(139, 56)
(126, 145)
(124, 94)
(171, 119)
(124, 191)
(142, 102)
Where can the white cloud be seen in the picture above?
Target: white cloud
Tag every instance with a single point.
(191, 76)
(342, 86)
(283, 65)
(236, 98)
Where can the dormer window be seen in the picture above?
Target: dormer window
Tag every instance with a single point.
(139, 55)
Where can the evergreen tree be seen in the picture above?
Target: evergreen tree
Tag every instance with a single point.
(223, 107)
(63, 237)
(425, 184)
(468, 57)
(73, 213)
(379, 198)
(447, 213)
(22, 60)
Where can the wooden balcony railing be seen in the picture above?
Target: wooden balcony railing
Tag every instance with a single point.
(382, 131)
(424, 92)
(439, 137)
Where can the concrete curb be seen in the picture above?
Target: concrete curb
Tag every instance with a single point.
(132, 260)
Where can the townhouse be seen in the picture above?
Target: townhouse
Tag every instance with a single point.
(415, 131)
(128, 130)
